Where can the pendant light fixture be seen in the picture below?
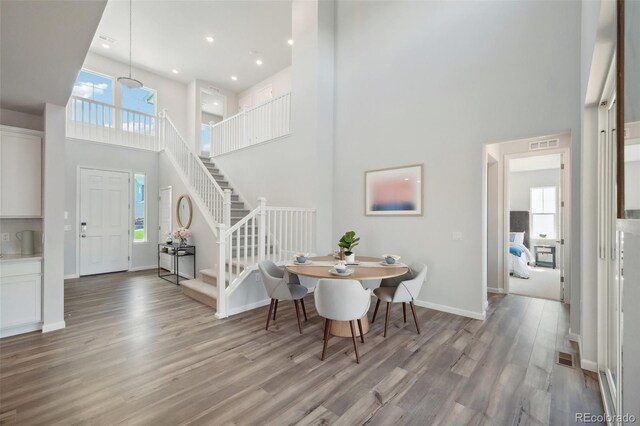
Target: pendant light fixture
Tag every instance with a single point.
(129, 81)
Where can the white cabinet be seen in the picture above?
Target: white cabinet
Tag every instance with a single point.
(20, 173)
(20, 297)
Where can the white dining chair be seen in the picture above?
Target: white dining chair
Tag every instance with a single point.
(342, 300)
(403, 290)
(282, 286)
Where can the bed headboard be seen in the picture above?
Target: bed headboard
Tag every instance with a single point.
(519, 222)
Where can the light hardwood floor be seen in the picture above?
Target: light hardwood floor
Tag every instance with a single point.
(136, 351)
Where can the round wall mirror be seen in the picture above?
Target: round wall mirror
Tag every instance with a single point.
(184, 213)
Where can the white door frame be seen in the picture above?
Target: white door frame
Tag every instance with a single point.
(130, 216)
(161, 241)
(566, 195)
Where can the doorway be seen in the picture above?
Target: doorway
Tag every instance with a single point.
(212, 111)
(535, 201)
(104, 221)
(165, 224)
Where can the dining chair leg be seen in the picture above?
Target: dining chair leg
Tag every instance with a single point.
(269, 316)
(415, 317)
(404, 311)
(375, 311)
(295, 302)
(327, 326)
(355, 344)
(304, 310)
(275, 308)
(360, 329)
(386, 319)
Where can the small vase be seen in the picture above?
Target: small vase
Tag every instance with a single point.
(351, 258)
(341, 254)
(183, 243)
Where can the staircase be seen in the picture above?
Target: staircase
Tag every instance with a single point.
(205, 289)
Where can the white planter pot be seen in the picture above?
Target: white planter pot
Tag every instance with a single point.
(350, 259)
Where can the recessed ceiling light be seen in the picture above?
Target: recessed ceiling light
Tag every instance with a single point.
(174, 71)
(234, 78)
(290, 41)
(106, 46)
(209, 39)
(215, 103)
(259, 61)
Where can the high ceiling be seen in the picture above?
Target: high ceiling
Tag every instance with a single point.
(171, 35)
(42, 47)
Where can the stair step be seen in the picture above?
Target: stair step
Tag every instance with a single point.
(239, 205)
(217, 176)
(201, 291)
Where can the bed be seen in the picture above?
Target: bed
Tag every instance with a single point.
(519, 255)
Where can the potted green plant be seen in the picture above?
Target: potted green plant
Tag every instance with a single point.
(347, 243)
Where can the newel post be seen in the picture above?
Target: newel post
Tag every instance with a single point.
(162, 134)
(262, 229)
(226, 208)
(222, 279)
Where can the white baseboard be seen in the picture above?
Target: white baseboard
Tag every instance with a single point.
(589, 365)
(451, 310)
(53, 327)
(485, 306)
(142, 268)
(20, 329)
(496, 290)
(71, 276)
(248, 307)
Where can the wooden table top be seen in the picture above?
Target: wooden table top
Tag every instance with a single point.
(360, 273)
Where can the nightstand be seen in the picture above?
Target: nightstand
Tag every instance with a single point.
(545, 256)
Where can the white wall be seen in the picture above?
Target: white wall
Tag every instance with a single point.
(21, 119)
(194, 109)
(280, 84)
(172, 95)
(297, 170)
(520, 184)
(446, 101)
(109, 157)
(53, 217)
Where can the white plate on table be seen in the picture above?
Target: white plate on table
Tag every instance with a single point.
(308, 262)
(340, 274)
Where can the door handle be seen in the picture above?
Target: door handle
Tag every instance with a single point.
(83, 229)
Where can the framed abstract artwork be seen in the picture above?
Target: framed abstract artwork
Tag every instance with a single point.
(394, 192)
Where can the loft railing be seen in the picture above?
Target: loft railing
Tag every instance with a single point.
(101, 122)
(261, 123)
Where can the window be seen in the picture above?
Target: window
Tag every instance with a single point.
(93, 87)
(135, 101)
(543, 212)
(140, 213)
(205, 138)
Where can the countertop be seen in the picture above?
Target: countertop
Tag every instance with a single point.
(20, 257)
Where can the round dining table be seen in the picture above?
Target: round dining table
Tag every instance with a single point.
(365, 268)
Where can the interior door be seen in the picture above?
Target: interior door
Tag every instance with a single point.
(165, 221)
(104, 221)
(560, 257)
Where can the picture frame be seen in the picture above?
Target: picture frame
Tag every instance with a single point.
(394, 191)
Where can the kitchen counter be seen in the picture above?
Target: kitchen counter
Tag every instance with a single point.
(20, 257)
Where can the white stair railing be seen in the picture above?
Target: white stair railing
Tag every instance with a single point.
(215, 201)
(101, 122)
(273, 233)
(261, 123)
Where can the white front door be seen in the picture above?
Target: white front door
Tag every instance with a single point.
(165, 225)
(104, 221)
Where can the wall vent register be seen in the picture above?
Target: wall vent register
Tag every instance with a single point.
(547, 144)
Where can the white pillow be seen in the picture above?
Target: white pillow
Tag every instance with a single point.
(516, 237)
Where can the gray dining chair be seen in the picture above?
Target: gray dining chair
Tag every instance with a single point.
(281, 285)
(342, 300)
(403, 289)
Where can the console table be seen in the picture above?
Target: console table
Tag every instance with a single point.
(176, 252)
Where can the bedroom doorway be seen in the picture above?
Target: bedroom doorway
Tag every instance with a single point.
(535, 200)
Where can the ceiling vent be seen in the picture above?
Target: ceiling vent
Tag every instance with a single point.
(546, 144)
